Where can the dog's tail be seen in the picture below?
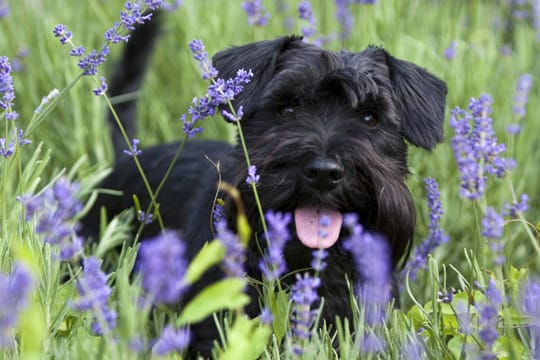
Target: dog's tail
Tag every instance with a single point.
(127, 77)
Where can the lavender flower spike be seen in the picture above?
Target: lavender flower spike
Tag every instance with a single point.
(94, 295)
(304, 296)
(15, 289)
(7, 92)
(162, 265)
(272, 265)
(234, 259)
(436, 236)
(256, 12)
(171, 340)
(253, 177)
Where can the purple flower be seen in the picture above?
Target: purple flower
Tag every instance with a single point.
(47, 99)
(4, 9)
(305, 12)
(256, 13)
(145, 218)
(133, 15)
(233, 261)
(163, 266)
(7, 90)
(489, 318)
(374, 284)
(518, 208)
(475, 147)
(90, 63)
(530, 306)
(521, 96)
(173, 6)
(102, 89)
(134, 151)
(272, 264)
(492, 228)
(94, 295)
(304, 296)
(513, 129)
(55, 208)
(436, 236)
(266, 316)
(317, 263)
(15, 289)
(60, 31)
(344, 17)
(112, 35)
(219, 92)
(253, 177)
(450, 51)
(171, 340)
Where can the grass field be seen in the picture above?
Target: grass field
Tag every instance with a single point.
(493, 44)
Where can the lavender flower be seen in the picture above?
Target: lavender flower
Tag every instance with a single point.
(7, 91)
(492, 228)
(305, 12)
(4, 9)
(171, 7)
(234, 258)
(530, 306)
(318, 262)
(162, 266)
(17, 138)
(521, 96)
(266, 316)
(15, 289)
(374, 285)
(171, 340)
(102, 89)
(450, 51)
(475, 147)
(272, 264)
(257, 14)
(60, 31)
(94, 295)
(518, 208)
(253, 177)
(489, 317)
(344, 17)
(436, 236)
(134, 151)
(219, 92)
(304, 296)
(55, 210)
(145, 218)
(90, 63)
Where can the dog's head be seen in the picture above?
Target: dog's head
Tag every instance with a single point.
(328, 132)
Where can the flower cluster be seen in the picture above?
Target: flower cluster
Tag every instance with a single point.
(475, 147)
(374, 283)
(253, 177)
(17, 138)
(234, 259)
(15, 289)
(492, 229)
(530, 307)
(219, 92)
(94, 293)
(521, 97)
(7, 91)
(305, 12)
(134, 13)
(436, 236)
(163, 266)
(304, 296)
(272, 264)
(55, 208)
(256, 13)
(171, 340)
(134, 151)
(489, 317)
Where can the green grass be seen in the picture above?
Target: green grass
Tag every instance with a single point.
(72, 139)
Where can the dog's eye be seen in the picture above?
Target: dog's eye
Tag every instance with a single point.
(369, 119)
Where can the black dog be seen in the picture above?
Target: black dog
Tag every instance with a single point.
(328, 133)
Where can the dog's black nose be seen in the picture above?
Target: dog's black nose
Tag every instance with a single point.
(323, 173)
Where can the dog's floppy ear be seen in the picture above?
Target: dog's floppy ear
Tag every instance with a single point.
(422, 100)
(260, 57)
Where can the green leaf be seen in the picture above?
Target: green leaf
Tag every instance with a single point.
(244, 230)
(247, 339)
(417, 316)
(210, 255)
(224, 294)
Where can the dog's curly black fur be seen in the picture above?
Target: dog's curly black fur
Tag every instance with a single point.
(324, 129)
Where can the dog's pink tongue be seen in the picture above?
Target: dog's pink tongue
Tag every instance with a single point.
(317, 227)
